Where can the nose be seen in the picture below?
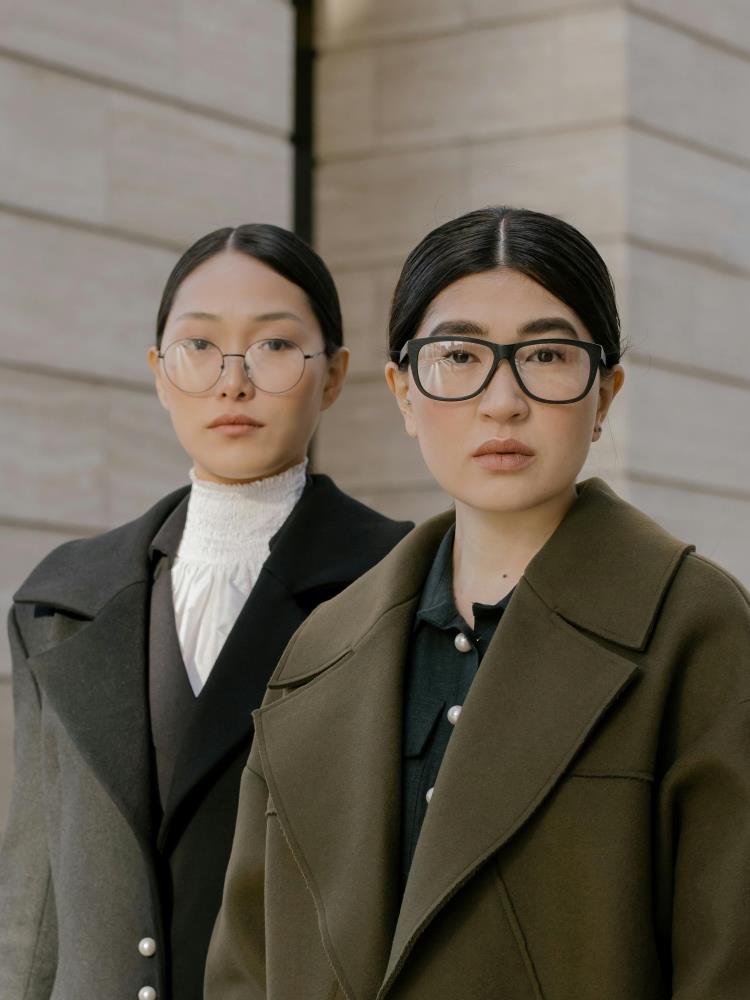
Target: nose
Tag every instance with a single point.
(234, 382)
(503, 399)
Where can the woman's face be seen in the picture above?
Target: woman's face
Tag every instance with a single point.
(235, 301)
(501, 304)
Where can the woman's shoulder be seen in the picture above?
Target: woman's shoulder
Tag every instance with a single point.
(73, 573)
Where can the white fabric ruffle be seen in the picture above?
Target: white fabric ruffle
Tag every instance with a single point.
(223, 548)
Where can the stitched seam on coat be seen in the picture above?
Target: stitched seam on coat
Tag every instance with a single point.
(319, 909)
(515, 925)
(37, 942)
(283, 823)
(621, 775)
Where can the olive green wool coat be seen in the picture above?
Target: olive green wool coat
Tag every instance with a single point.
(589, 833)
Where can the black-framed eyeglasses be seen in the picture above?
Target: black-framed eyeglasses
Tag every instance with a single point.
(549, 371)
(195, 365)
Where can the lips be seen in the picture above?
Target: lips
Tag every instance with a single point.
(234, 420)
(503, 455)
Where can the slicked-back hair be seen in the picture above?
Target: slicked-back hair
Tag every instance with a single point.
(282, 251)
(551, 252)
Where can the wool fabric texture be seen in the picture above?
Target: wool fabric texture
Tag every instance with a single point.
(226, 540)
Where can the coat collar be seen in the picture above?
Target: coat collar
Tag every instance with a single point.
(546, 675)
(82, 576)
(605, 569)
(97, 678)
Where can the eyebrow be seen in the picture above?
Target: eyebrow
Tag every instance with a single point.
(548, 324)
(262, 318)
(459, 328)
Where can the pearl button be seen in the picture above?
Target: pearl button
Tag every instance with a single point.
(453, 713)
(428, 794)
(462, 643)
(147, 993)
(147, 947)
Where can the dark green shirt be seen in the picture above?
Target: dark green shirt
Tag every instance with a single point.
(438, 678)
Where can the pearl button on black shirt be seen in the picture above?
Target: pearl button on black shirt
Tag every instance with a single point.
(444, 656)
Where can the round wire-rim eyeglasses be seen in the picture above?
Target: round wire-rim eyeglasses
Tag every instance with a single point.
(246, 367)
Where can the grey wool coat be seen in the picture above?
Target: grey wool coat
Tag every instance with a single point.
(90, 865)
(589, 833)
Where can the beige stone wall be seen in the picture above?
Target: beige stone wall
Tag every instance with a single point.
(127, 130)
(629, 120)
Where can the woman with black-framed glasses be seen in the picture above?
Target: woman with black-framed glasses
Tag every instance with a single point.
(139, 655)
(513, 760)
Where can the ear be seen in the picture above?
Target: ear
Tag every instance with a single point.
(155, 366)
(338, 365)
(398, 382)
(609, 386)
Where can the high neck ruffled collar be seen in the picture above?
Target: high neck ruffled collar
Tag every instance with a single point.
(227, 523)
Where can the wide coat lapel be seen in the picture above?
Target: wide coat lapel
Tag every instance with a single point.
(328, 541)
(331, 747)
(95, 679)
(540, 691)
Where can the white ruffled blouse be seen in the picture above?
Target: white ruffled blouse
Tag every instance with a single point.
(223, 547)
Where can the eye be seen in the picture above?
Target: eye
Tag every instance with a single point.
(276, 345)
(544, 355)
(196, 344)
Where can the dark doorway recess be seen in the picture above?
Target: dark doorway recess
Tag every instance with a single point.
(303, 121)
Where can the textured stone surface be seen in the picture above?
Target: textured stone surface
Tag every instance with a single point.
(723, 20)
(467, 86)
(77, 301)
(231, 57)
(178, 175)
(83, 454)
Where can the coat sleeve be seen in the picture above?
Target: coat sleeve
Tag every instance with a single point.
(28, 933)
(235, 968)
(704, 807)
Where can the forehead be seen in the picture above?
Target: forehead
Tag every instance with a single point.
(233, 282)
(499, 300)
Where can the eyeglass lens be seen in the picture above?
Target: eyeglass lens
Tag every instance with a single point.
(553, 372)
(196, 365)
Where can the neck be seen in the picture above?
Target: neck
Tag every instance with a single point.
(492, 549)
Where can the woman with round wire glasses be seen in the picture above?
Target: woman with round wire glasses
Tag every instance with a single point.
(512, 760)
(139, 655)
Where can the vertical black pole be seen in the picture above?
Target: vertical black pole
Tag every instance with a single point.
(303, 121)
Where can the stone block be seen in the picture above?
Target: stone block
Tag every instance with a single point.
(685, 199)
(716, 525)
(376, 209)
(342, 22)
(53, 141)
(365, 302)
(727, 21)
(78, 301)
(144, 460)
(178, 175)
(362, 444)
(684, 312)
(348, 99)
(85, 455)
(676, 84)
(238, 57)
(682, 429)
(235, 57)
(466, 86)
(407, 505)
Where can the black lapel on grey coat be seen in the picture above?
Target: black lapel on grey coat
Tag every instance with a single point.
(327, 542)
(96, 683)
(95, 679)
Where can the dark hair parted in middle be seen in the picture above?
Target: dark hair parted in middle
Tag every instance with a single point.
(282, 251)
(548, 250)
